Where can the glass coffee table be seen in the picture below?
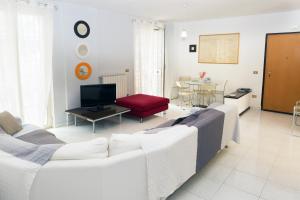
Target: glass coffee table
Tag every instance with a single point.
(96, 115)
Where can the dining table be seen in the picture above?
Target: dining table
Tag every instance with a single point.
(195, 86)
(199, 83)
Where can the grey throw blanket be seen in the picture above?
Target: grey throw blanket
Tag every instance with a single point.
(39, 154)
(40, 137)
(37, 146)
(210, 124)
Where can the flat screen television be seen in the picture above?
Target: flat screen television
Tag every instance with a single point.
(97, 96)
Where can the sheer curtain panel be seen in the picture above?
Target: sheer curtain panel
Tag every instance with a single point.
(148, 57)
(26, 60)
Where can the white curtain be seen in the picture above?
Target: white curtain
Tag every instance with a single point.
(26, 60)
(148, 57)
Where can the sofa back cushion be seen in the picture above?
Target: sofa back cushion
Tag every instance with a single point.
(94, 149)
(9, 123)
(122, 143)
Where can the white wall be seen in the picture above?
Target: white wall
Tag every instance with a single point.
(253, 31)
(110, 51)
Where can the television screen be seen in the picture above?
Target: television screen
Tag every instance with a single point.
(97, 95)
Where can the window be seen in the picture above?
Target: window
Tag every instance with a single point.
(26, 62)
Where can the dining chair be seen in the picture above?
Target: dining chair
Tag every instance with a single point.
(196, 92)
(184, 93)
(221, 89)
(183, 81)
(208, 93)
(296, 114)
(185, 78)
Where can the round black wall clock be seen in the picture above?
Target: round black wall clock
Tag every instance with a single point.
(82, 29)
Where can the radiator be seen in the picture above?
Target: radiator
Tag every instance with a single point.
(121, 83)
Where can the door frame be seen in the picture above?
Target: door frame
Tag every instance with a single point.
(265, 62)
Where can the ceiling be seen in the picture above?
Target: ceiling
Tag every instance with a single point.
(179, 10)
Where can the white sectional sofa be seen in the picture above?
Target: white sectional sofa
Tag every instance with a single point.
(163, 163)
(132, 175)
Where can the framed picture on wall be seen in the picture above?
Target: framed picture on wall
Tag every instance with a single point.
(219, 48)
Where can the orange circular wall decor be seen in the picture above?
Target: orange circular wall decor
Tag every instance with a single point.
(83, 71)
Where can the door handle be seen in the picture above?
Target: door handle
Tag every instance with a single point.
(269, 74)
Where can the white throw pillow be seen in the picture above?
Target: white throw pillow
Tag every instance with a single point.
(122, 143)
(97, 148)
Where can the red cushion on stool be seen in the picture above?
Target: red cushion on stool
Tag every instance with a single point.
(142, 102)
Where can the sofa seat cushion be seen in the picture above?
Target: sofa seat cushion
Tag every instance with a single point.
(142, 102)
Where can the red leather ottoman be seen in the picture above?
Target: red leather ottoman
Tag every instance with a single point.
(142, 105)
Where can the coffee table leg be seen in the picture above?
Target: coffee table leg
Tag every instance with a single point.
(120, 117)
(75, 120)
(93, 127)
(67, 119)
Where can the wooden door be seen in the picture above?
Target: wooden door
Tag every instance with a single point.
(282, 72)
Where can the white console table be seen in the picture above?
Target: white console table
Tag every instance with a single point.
(241, 100)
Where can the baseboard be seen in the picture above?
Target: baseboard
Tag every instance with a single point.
(60, 124)
(244, 111)
(63, 123)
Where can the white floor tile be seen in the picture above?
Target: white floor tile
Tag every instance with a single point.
(287, 176)
(231, 193)
(255, 167)
(236, 149)
(202, 187)
(277, 192)
(183, 195)
(217, 173)
(264, 156)
(245, 182)
(226, 159)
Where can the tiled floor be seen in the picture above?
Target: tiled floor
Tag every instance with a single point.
(265, 166)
